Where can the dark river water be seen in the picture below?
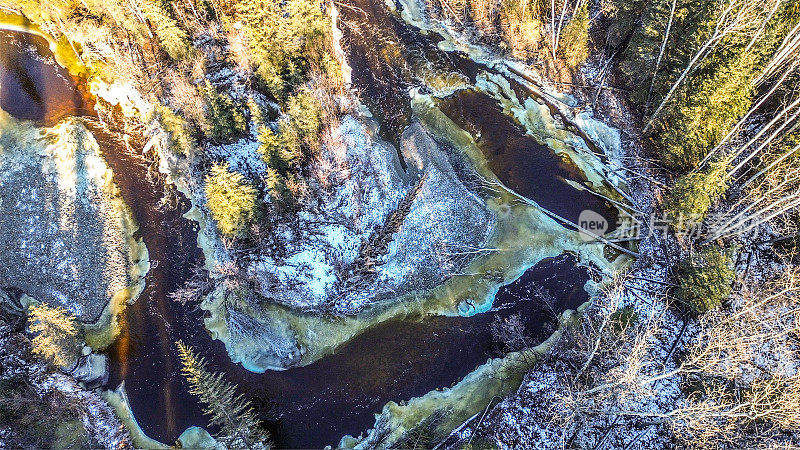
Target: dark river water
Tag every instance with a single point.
(32, 85)
(524, 165)
(388, 58)
(316, 405)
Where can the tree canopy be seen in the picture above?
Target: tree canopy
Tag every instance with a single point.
(239, 427)
(56, 333)
(231, 199)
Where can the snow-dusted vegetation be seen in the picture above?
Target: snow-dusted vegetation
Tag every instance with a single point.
(314, 177)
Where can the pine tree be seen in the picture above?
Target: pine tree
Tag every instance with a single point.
(225, 118)
(239, 427)
(56, 330)
(231, 199)
(694, 193)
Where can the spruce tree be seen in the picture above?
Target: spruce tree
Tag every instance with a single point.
(305, 113)
(286, 39)
(705, 279)
(56, 331)
(276, 185)
(172, 38)
(231, 199)
(239, 427)
(694, 193)
(575, 38)
(280, 151)
(257, 114)
(705, 112)
(225, 118)
(180, 137)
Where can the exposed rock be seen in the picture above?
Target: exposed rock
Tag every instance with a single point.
(380, 232)
(96, 415)
(91, 370)
(196, 437)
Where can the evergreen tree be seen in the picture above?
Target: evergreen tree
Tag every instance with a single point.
(575, 38)
(690, 24)
(286, 39)
(704, 280)
(280, 150)
(276, 185)
(231, 200)
(703, 115)
(56, 334)
(172, 38)
(305, 114)
(257, 114)
(180, 136)
(225, 118)
(694, 193)
(717, 95)
(239, 427)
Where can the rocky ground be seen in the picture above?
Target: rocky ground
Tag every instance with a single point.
(39, 408)
(377, 233)
(342, 254)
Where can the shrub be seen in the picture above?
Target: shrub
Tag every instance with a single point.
(623, 318)
(180, 136)
(704, 280)
(511, 333)
(231, 200)
(56, 334)
(693, 194)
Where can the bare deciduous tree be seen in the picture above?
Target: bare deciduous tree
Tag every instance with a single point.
(739, 364)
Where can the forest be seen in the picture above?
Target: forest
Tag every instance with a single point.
(400, 224)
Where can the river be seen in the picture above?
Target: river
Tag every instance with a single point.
(316, 405)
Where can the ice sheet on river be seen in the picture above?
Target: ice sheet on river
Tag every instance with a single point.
(67, 236)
